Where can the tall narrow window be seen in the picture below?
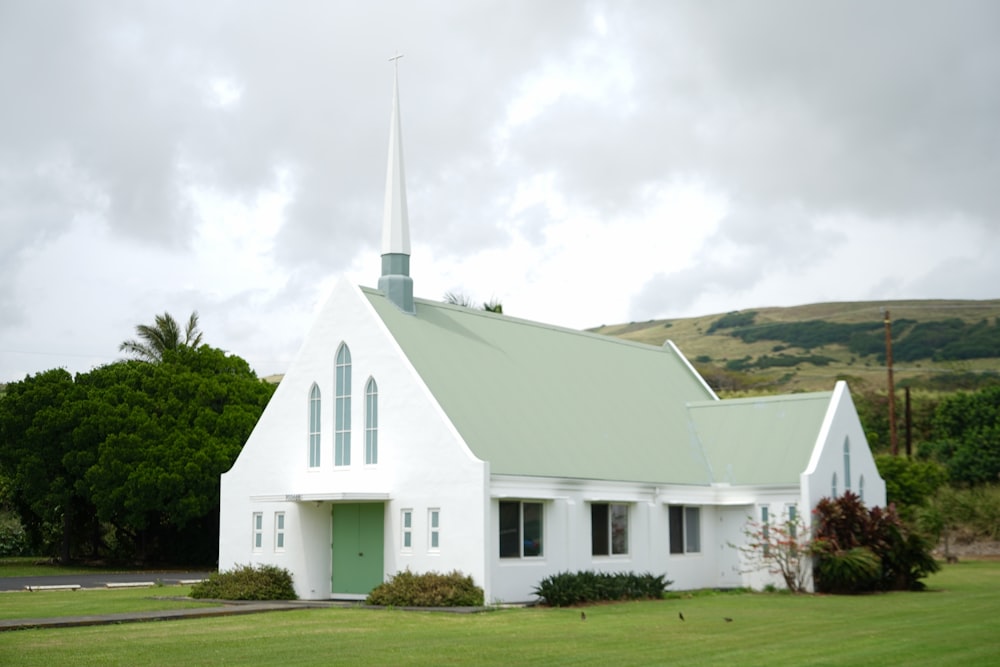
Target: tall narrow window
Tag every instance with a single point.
(434, 526)
(765, 529)
(342, 434)
(314, 422)
(608, 529)
(861, 488)
(684, 529)
(371, 422)
(793, 521)
(833, 486)
(258, 531)
(847, 464)
(279, 531)
(520, 529)
(407, 523)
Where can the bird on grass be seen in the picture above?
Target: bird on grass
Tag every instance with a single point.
(680, 615)
(727, 619)
(583, 616)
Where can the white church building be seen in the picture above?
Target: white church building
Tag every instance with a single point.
(409, 433)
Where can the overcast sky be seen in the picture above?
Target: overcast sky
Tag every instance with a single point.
(585, 163)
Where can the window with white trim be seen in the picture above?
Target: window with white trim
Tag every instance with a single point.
(258, 531)
(406, 523)
(861, 488)
(765, 528)
(792, 512)
(685, 529)
(833, 486)
(371, 422)
(520, 529)
(847, 464)
(342, 425)
(315, 414)
(279, 531)
(434, 529)
(608, 529)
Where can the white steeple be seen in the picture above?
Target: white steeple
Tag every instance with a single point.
(395, 281)
(395, 226)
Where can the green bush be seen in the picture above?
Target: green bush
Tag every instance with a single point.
(430, 589)
(856, 570)
(247, 582)
(569, 588)
(848, 535)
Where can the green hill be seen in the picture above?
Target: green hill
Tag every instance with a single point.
(936, 344)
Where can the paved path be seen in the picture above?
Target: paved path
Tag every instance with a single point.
(99, 579)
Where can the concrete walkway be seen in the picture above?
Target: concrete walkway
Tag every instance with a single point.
(224, 608)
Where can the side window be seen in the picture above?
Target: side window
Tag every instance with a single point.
(407, 528)
(258, 531)
(315, 413)
(765, 528)
(434, 529)
(861, 488)
(279, 531)
(847, 464)
(371, 422)
(520, 529)
(793, 521)
(342, 433)
(684, 529)
(833, 486)
(608, 529)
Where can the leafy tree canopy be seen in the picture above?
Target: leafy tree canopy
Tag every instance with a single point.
(966, 436)
(136, 447)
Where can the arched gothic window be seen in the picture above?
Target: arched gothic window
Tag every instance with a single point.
(342, 421)
(371, 422)
(314, 424)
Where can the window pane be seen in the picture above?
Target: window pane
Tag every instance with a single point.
(510, 532)
(619, 529)
(676, 518)
(371, 423)
(692, 529)
(599, 529)
(532, 529)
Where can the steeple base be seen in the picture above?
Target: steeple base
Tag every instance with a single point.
(395, 282)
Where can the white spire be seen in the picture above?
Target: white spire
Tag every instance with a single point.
(395, 225)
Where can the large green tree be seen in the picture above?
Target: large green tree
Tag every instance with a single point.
(126, 459)
(163, 335)
(966, 436)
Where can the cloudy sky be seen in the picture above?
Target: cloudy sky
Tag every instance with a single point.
(585, 163)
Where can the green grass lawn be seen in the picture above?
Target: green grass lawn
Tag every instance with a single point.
(956, 622)
(47, 604)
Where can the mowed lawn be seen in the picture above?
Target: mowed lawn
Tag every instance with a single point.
(956, 622)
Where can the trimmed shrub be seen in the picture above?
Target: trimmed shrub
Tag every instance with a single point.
(568, 588)
(430, 589)
(247, 582)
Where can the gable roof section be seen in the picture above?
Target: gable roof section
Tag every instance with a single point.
(539, 400)
(759, 441)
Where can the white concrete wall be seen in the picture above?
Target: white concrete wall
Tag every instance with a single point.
(567, 538)
(422, 463)
(828, 456)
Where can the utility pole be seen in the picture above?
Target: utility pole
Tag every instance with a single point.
(893, 444)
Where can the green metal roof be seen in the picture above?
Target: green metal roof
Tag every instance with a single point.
(765, 440)
(540, 400)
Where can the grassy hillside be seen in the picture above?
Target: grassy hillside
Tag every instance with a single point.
(936, 344)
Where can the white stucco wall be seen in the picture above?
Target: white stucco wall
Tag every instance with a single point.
(842, 423)
(422, 463)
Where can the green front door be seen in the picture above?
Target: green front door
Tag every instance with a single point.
(357, 548)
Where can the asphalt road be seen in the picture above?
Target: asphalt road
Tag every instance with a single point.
(98, 580)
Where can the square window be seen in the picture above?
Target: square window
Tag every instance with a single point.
(520, 529)
(609, 529)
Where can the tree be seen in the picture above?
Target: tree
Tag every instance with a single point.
(125, 460)
(781, 548)
(163, 335)
(967, 436)
(494, 305)
(43, 462)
